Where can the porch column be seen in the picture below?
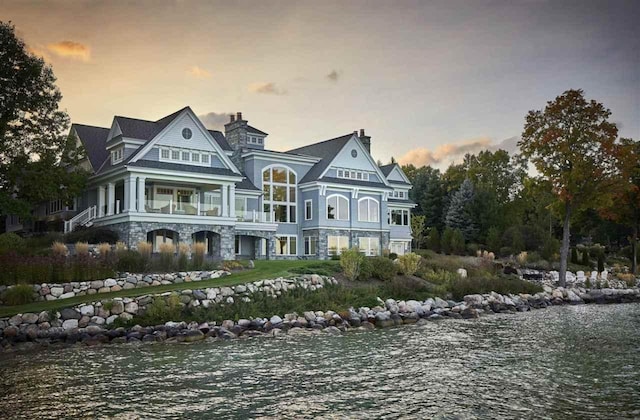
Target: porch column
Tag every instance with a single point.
(232, 200)
(225, 199)
(130, 194)
(100, 200)
(141, 202)
(111, 198)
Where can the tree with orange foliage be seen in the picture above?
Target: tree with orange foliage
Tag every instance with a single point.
(573, 145)
(625, 206)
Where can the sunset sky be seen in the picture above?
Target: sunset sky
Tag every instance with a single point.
(428, 80)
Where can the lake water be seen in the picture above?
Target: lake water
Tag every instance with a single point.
(562, 362)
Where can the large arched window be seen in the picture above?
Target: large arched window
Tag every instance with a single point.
(279, 188)
(368, 210)
(337, 207)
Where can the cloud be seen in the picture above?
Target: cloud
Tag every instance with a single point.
(199, 73)
(214, 120)
(334, 75)
(71, 49)
(39, 52)
(510, 145)
(266, 89)
(445, 152)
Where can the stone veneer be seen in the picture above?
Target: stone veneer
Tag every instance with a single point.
(133, 232)
(322, 251)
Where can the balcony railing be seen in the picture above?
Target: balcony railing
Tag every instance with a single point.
(253, 216)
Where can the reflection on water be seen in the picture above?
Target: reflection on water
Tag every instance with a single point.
(571, 361)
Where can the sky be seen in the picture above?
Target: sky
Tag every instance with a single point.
(427, 80)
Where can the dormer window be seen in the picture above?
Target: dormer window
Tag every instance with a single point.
(117, 155)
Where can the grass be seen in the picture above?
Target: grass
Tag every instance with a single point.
(263, 270)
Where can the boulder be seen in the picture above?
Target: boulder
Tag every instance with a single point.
(462, 273)
(69, 313)
(70, 324)
(44, 317)
(88, 310)
(131, 307)
(199, 294)
(15, 320)
(57, 291)
(96, 284)
(110, 283)
(439, 303)
(67, 295)
(117, 307)
(275, 320)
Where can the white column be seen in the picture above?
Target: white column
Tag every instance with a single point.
(111, 198)
(141, 201)
(232, 200)
(225, 199)
(130, 194)
(100, 200)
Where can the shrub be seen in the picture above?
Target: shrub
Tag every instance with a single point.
(628, 278)
(104, 249)
(92, 235)
(130, 261)
(433, 241)
(457, 242)
(503, 285)
(166, 255)
(513, 238)
(230, 265)
(574, 256)
(19, 295)
(197, 254)
(585, 258)
(10, 242)
(505, 251)
(445, 244)
(439, 277)
(393, 256)
(183, 256)
(121, 246)
(474, 249)
(163, 309)
(351, 261)
(144, 249)
(82, 248)
(383, 268)
(59, 249)
(43, 242)
(600, 263)
(366, 269)
(406, 288)
(550, 248)
(409, 263)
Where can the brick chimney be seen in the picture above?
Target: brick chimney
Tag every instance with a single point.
(236, 131)
(365, 140)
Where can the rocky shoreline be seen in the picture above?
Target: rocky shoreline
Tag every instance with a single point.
(31, 331)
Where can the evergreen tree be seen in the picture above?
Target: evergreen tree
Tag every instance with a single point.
(457, 242)
(433, 242)
(574, 256)
(493, 240)
(447, 237)
(459, 214)
(585, 258)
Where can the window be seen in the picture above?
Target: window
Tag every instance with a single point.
(340, 173)
(175, 155)
(205, 158)
(369, 246)
(164, 153)
(238, 249)
(286, 245)
(308, 210)
(335, 244)
(55, 206)
(399, 217)
(349, 174)
(337, 207)
(279, 189)
(399, 194)
(117, 155)
(368, 210)
(195, 157)
(310, 245)
(259, 140)
(185, 156)
(186, 133)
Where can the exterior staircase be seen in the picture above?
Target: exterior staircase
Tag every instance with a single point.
(84, 218)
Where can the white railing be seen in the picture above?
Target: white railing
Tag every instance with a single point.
(81, 219)
(254, 216)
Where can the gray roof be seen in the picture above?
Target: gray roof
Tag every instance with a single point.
(183, 168)
(386, 170)
(143, 129)
(356, 183)
(255, 130)
(326, 150)
(246, 184)
(94, 140)
(396, 200)
(221, 140)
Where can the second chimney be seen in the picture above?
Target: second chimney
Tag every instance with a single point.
(365, 140)
(239, 116)
(232, 118)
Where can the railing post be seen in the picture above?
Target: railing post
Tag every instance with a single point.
(117, 206)
(171, 206)
(198, 203)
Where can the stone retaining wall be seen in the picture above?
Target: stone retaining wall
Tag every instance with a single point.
(85, 323)
(51, 291)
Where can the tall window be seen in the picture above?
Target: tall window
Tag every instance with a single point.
(279, 188)
(310, 245)
(308, 210)
(368, 210)
(336, 244)
(286, 245)
(337, 207)
(369, 246)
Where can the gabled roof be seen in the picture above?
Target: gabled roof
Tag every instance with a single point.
(143, 129)
(254, 130)
(93, 139)
(182, 167)
(221, 140)
(326, 150)
(387, 169)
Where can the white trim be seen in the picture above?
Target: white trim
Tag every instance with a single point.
(322, 184)
(288, 254)
(164, 218)
(367, 250)
(401, 172)
(349, 229)
(181, 176)
(181, 151)
(310, 201)
(287, 185)
(368, 210)
(270, 155)
(337, 209)
(214, 144)
(304, 245)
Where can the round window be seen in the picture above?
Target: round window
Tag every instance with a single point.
(354, 153)
(186, 133)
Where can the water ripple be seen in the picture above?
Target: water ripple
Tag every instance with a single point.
(572, 361)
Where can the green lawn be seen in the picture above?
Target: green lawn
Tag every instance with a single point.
(263, 270)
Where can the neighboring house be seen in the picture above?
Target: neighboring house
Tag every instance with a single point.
(172, 180)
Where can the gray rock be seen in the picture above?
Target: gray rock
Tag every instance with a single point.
(117, 307)
(97, 284)
(68, 313)
(29, 318)
(15, 320)
(199, 294)
(332, 331)
(43, 317)
(67, 295)
(275, 320)
(87, 310)
(110, 282)
(70, 324)
(131, 307)
(57, 291)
